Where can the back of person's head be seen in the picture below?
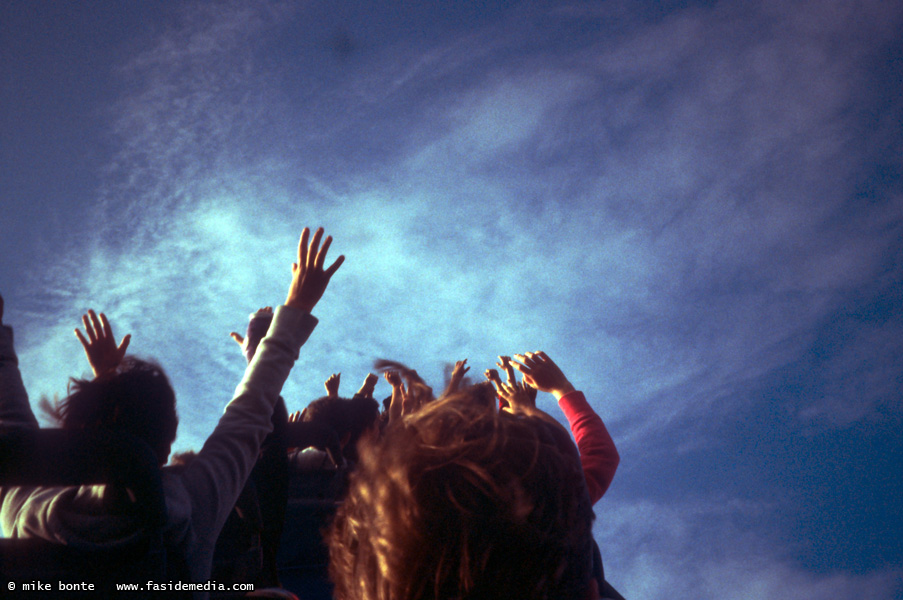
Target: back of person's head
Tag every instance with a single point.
(459, 501)
(363, 414)
(137, 399)
(350, 419)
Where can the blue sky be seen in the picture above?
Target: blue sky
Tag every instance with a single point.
(695, 209)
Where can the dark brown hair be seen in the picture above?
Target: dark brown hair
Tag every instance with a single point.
(351, 417)
(137, 399)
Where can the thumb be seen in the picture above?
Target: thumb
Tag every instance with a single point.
(123, 345)
(238, 339)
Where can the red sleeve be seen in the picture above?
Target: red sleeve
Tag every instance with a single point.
(598, 454)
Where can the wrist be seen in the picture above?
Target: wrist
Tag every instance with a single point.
(300, 306)
(563, 389)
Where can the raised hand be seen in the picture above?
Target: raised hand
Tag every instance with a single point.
(332, 385)
(309, 279)
(517, 395)
(505, 365)
(368, 386)
(395, 404)
(457, 375)
(542, 373)
(393, 378)
(255, 333)
(492, 376)
(100, 346)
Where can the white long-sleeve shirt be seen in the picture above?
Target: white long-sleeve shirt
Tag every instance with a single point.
(198, 498)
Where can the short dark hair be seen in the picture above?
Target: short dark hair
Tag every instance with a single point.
(459, 501)
(346, 417)
(137, 398)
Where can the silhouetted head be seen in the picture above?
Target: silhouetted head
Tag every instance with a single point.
(350, 419)
(460, 501)
(137, 399)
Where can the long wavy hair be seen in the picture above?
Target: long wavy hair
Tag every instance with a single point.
(457, 501)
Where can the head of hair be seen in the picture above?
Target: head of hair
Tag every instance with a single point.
(350, 419)
(460, 501)
(137, 399)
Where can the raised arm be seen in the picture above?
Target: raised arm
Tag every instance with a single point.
(457, 376)
(598, 454)
(366, 389)
(395, 405)
(216, 477)
(14, 406)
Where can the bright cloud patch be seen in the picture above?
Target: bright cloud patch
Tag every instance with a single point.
(684, 213)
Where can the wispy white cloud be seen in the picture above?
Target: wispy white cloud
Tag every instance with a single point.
(681, 252)
(692, 549)
(671, 211)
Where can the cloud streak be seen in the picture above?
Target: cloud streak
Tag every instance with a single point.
(682, 212)
(705, 550)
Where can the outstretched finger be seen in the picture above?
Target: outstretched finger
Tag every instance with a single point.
(506, 366)
(105, 323)
(98, 330)
(312, 251)
(335, 266)
(89, 329)
(124, 345)
(302, 248)
(82, 339)
(528, 358)
(321, 255)
(235, 336)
